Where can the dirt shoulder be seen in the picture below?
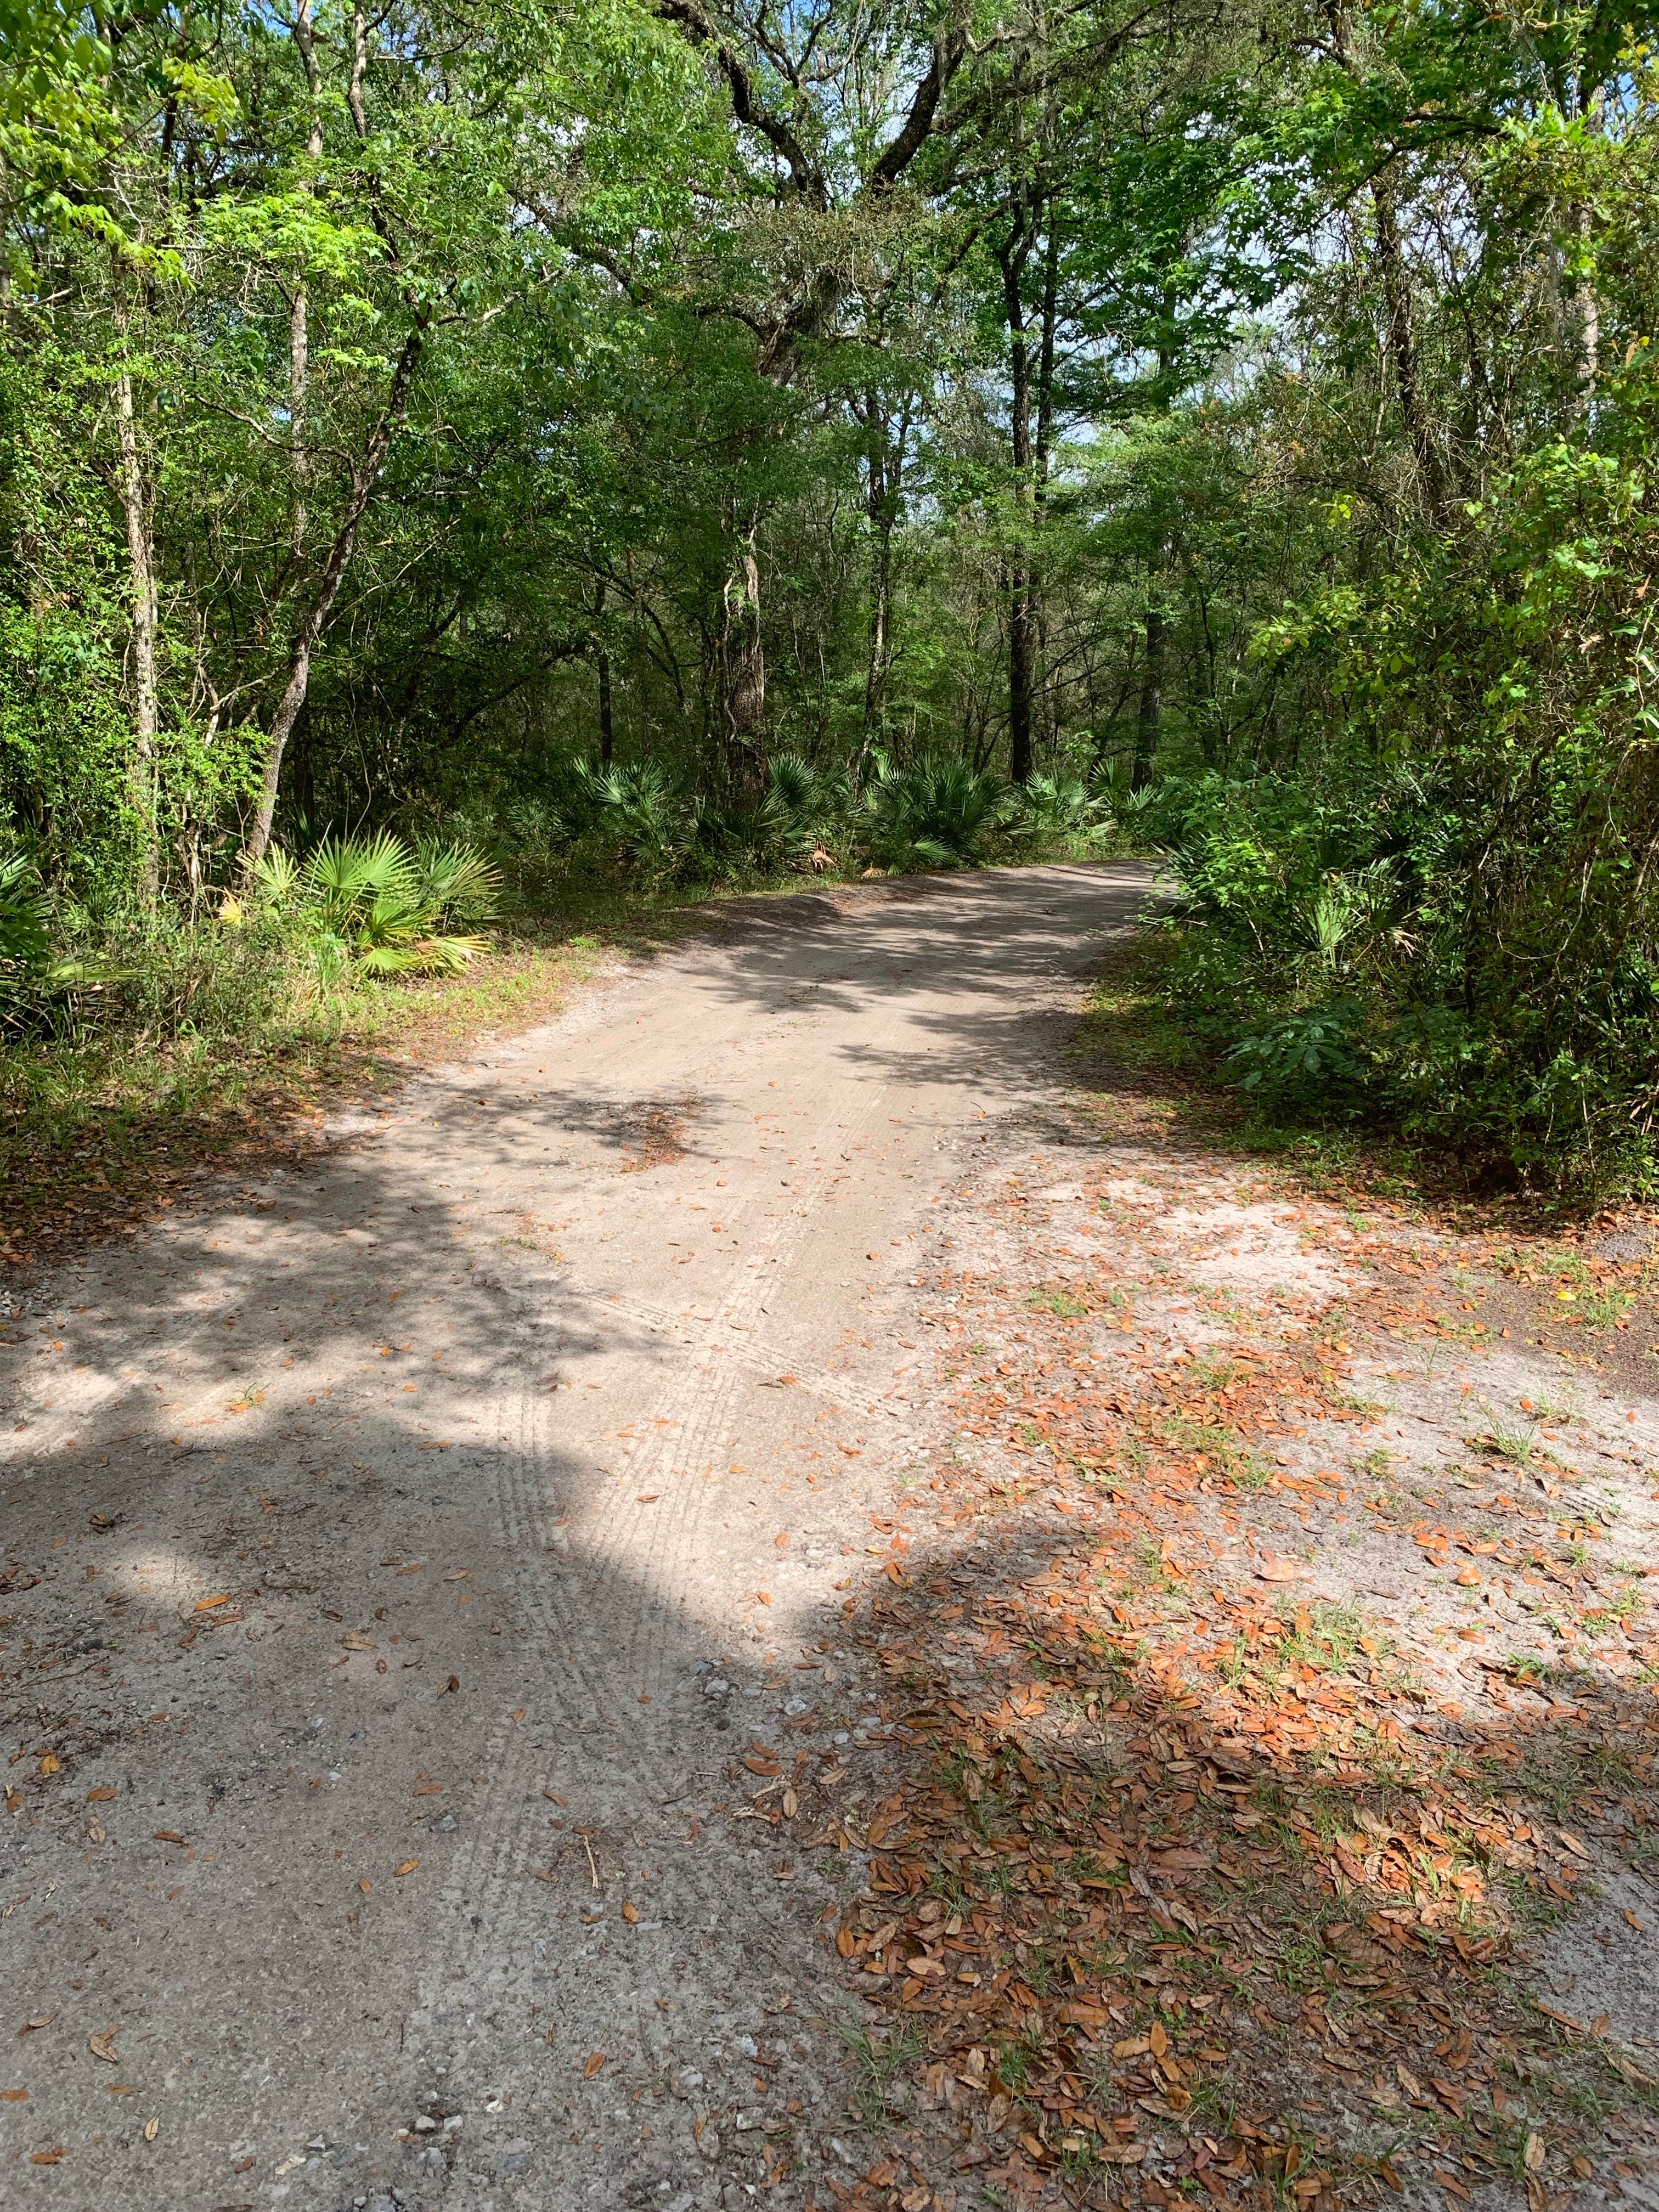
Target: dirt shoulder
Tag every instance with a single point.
(1277, 1647)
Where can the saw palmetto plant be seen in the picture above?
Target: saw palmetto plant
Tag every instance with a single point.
(383, 907)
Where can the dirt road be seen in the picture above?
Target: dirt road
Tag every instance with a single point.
(398, 1553)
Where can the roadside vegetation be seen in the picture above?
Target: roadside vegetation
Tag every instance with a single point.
(730, 451)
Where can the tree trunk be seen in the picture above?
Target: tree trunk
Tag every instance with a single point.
(1588, 300)
(881, 619)
(1022, 655)
(886, 467)
(1045, 412)
(744, 671)
(298, 334)
(1589, 321)
(602, 666)
(1149, 721)
(339, 559)
(359, 70)
(1402, 347)
(1047, 705)
(1022, 629)
(141, 566)
(299, 383)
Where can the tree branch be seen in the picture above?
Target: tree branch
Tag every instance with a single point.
(949, 46)
(806, 178)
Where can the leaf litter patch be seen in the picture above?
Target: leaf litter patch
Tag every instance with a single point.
(654, 1134)
(1239, 1765)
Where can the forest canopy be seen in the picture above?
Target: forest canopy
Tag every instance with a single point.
(448, 441)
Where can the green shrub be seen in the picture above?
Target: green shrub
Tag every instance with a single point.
(1304, 1056)
(40, 980)
(1411, 944)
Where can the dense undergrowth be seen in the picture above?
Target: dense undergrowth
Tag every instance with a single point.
(1446, 921)
(1364, 953)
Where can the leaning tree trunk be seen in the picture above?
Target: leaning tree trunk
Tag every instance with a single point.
(322, 601)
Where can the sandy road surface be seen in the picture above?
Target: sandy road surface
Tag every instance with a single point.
(463, 1506)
